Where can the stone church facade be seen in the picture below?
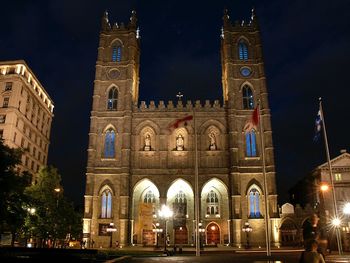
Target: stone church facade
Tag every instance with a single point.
(142, 155)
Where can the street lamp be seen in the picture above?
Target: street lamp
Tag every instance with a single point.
(110, 229)
(201, 232)
(157, 230)
(165, 213)
(346, 209)
(247, 229)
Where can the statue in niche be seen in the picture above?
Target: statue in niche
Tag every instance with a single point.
(212, 144)
(147, 141)
(179, 143)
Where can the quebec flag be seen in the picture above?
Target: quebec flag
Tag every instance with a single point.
(318, 126)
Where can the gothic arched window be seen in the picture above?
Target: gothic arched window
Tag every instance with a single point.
(149, 197)
(112, 100)
(242, 50)
(254, 203)
(116, 53)
(248, 98)
(180, 197)
(109, 144)
(212, 203)
(106, 204)
(250, 140)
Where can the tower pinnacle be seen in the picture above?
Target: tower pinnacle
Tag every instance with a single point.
(105, 22)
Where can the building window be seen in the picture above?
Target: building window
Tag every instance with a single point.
(248, 98)
(112, 101)
(110, 144)
(106, 205)
(2, 118)
(22, 142)
(116, 53)
(337, 176)
(6, 102)
(242, 50)
(1, 134)
(180, 197)
(254, 203)
(14, 137)
(212, 203)
(8, 86)
(149, 197)
(250, 140)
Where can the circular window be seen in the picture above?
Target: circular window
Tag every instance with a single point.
(245, 72)
(113, 73)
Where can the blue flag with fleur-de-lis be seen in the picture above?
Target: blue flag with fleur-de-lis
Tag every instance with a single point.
(318, 126)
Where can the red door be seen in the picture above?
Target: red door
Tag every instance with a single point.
(181, 235)
(213, 234)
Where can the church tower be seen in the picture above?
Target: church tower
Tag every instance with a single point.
(108, 169)
(244, 86)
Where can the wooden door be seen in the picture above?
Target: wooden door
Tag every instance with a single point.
(213, 234)
(181, 235)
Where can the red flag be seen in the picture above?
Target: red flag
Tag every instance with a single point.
(253, 122)
(179, 122)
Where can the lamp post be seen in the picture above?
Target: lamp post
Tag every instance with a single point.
(57, 190)
(157, 230)
(165, 213)
(110, 229)
(336, 222)
(247, 229)
(201, 232)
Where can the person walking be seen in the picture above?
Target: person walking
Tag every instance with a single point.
(311, 255)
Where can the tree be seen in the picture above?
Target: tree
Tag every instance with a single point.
(54, 215)
(12, 185)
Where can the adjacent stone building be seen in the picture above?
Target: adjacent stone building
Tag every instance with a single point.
(26, 112)
(142, 155)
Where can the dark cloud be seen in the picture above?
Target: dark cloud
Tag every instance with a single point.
(306, 56)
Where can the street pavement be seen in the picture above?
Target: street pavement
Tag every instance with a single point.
(237, 257)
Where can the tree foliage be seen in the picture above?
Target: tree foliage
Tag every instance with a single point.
(54, 215)
(12, 186)
(34, 210)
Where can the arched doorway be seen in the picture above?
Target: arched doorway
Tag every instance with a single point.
(213, 234)
(181, 235)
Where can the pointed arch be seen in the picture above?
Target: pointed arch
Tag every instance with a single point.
(116, 47)
(214, 198)
(250, 144)
(254, 201)
(247, 97)
(106, 201)
(109, 143)
(143, 187)
(243, 50)
(112, 98)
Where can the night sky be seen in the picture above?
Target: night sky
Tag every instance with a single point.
(306, 48)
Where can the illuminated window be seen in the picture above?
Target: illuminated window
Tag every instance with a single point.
(149, 197)
(248, 98)
(242, 50)
(6, 102)
(212, 203)
(254, 203)
(2, 118)
(250, 139)
(109, 144)
(106, 204)
(180, 197)
(112, 100)
(337, 177)
(8, 86)
(116, 53)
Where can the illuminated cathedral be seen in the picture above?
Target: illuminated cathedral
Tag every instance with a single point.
(138, 159)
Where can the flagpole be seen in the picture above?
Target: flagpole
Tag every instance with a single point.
(267, 216)
(196, 187)
(340, 249)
